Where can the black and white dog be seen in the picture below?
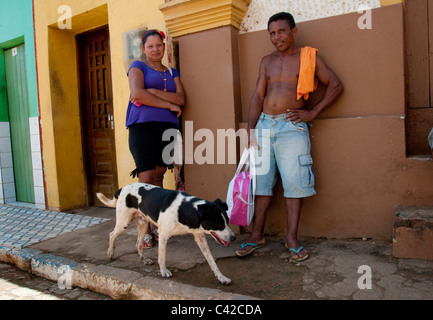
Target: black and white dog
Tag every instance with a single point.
(174, 213)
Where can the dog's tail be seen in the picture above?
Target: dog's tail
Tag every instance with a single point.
(109, 202)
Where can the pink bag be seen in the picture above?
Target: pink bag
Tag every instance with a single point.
(240, 195)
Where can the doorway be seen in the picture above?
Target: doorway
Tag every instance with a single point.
(96, 104)
(19, 112)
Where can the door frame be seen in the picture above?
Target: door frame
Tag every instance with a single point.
(19, 115)
(83, 92)
(7, 181)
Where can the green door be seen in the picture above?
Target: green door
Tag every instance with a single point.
(18, 104)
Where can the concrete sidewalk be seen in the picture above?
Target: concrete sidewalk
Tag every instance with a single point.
(74, 253)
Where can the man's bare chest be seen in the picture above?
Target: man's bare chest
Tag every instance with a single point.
(283, 70)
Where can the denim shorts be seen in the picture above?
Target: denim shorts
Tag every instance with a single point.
(284, 147)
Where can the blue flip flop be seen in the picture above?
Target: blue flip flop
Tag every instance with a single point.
(297, 253)
(253, 246)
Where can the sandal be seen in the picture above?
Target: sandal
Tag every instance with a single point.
(148, 243)
(253, 247)
(295, 253)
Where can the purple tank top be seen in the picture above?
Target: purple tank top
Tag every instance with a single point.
(152, 79)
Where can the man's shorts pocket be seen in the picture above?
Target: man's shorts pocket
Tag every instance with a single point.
(306, 173)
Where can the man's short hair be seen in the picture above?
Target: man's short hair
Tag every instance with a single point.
(283, 16)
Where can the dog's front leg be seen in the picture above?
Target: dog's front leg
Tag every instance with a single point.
(200, 239)
(162, 246)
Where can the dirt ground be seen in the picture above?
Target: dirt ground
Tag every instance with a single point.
(265, 274)
(261, 275)
(331, 272)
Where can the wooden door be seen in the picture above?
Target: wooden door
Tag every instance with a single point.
(97, 114)
(18, 107)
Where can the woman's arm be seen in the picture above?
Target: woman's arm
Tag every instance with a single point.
(143, 96)
(177, 97)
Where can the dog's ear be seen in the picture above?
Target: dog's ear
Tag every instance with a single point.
(221, 204)
(210, 216)
(204, 209)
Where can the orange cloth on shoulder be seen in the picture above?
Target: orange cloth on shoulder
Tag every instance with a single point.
(307, 82)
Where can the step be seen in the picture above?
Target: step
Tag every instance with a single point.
(413, 232)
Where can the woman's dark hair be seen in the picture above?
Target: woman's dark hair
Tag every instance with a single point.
(152, 33)
(283, 16)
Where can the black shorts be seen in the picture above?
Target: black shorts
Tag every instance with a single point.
(146, 145)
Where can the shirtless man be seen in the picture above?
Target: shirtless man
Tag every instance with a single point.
(274, 106)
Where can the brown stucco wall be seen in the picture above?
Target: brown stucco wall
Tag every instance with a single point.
(209, 64)
(362, 172)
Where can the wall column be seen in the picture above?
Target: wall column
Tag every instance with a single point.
(206, 32)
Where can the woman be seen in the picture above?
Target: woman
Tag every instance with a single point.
(156, 98)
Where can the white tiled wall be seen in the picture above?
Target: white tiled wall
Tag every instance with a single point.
(38, 177)
(7, 192)
(7, 182)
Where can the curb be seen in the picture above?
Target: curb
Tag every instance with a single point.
(119, 284)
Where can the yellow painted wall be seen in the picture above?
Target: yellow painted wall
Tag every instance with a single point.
(384, 3)
(59, 94)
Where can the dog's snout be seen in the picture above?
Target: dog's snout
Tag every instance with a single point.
(232, 238)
